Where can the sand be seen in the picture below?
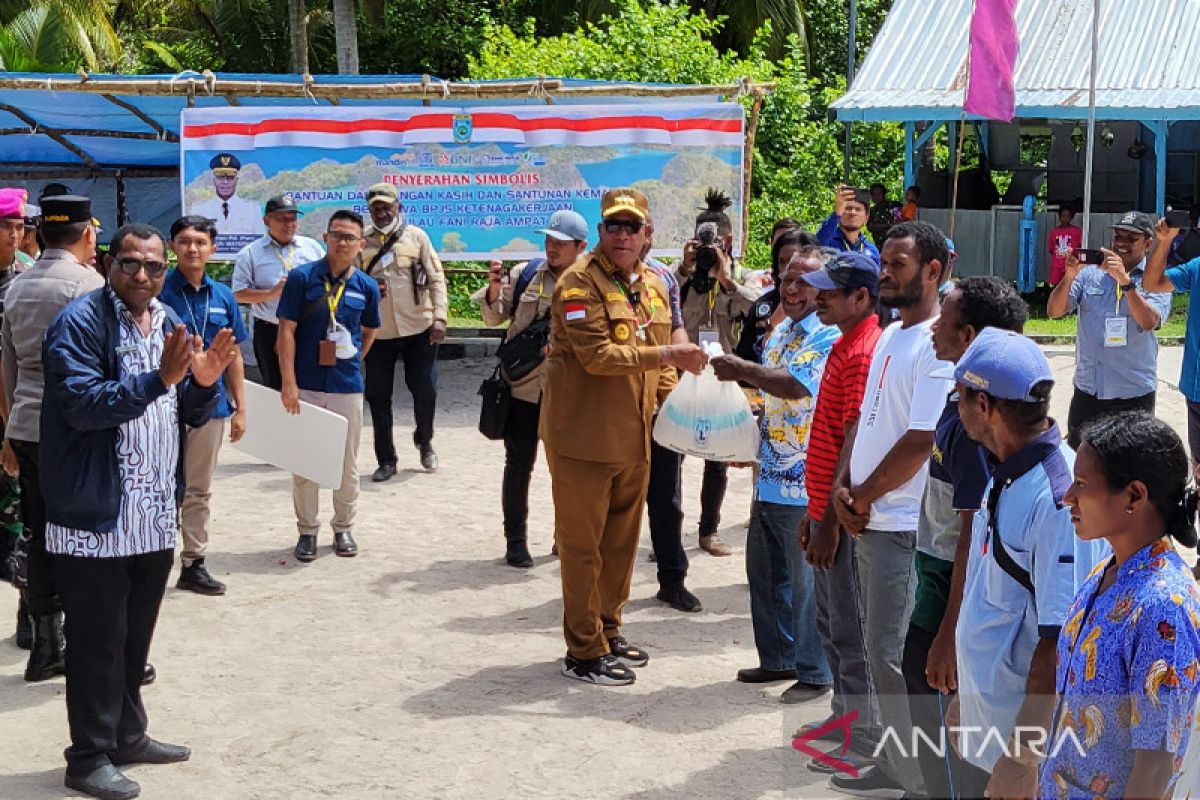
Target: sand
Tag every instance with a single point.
(425, 667)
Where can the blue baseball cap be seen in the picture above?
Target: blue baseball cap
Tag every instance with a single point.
(566, 225)
(846, 271)
(1003, 364)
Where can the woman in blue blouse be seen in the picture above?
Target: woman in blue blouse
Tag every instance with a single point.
(1127, 657)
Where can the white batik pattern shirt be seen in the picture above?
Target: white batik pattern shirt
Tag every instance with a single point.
(147, 454)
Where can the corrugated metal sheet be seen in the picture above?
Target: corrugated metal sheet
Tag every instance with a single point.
(1148, 67)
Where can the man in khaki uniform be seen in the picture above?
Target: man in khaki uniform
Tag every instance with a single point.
(414, 311)
(609, 349)
(525, 299)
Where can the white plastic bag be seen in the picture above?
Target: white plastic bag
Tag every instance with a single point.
(708, 418)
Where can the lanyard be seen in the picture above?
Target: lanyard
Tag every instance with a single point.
(202, 329)
(712, 301)
(288, 259)
(333, 300)
(641, 326)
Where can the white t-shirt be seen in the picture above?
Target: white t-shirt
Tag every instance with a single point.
(901, 395)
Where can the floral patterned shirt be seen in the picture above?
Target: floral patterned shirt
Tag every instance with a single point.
(802, 348)
(1127, 674)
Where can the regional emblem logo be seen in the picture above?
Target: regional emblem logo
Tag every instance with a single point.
(462, 128)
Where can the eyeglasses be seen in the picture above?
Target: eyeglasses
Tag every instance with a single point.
(343, 238)
(615, 226)
(132, 266)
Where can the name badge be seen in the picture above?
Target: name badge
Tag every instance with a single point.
(387, 259)
(1116, 331)
(217, 312)
(129, 348)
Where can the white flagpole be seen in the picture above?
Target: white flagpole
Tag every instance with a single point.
(1091, 124)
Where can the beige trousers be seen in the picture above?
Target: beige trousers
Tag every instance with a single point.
(203, 445)
(306, 494)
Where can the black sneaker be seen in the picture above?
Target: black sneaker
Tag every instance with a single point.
(627, 654)
(429, 459)
(383, 473)
(516, 554)
(604, 671)
(196, 579)
(871, 782)
(680, 599)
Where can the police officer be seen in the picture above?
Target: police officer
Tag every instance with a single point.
(414, 310)
(713, 305)
(609, 347)
(525, 300)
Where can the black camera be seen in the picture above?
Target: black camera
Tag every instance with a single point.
(709, 242)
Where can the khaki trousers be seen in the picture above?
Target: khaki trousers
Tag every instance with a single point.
(597, 520)
(203, 446)
(306, 494)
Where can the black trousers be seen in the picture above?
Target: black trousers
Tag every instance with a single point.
(42, 594)
(1193, 429)
(1087, 408)
(420, 376)
(929, 716)
(664, 506)
(111, 605)
(712, 495)
(520, 454)
(265, 334)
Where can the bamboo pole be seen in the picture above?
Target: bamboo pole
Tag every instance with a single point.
(748, 165)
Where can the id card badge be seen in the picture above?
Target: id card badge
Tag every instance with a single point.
(1116, 331)
(387, 259)
(327, 353)
(343, 341)
(708, 337)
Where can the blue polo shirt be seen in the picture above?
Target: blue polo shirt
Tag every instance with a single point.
(1184, 277)
(830, 235)
(1114, 373)
(205, 311)
(1001, 621)
(304, 302)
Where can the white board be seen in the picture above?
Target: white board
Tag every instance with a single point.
(311, 444)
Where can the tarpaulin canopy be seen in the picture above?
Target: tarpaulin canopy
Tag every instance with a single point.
(99, 124)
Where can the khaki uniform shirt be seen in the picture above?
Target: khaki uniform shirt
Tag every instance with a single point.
(33, 301)
(602, 382)
(402, 314)
(718, 310)
(533, 303)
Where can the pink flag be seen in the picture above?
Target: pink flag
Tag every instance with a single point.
(994, 48)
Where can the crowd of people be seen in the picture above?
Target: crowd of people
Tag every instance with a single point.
(927, 551)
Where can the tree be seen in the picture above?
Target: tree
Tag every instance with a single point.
(58, 35)
(298, 30)
(346, 30)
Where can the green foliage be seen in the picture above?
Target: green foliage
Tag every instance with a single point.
(797, 158)
(460, 286)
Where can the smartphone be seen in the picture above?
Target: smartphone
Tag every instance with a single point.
(1087, 256)
(1179, 218)
(863, 196)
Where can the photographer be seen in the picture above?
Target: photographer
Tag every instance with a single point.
(713, 303)
(843, 229)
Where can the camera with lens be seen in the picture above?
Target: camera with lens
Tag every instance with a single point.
(708, 243)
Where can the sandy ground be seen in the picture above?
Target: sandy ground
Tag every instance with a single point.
(425, 668)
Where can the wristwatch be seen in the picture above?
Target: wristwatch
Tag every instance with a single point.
(1128, 287)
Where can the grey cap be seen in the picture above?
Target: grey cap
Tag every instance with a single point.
(565, 225)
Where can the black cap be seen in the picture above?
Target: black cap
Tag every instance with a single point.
(1136, 222)
(65, 209)
(226, 163)
(53, 190)
(283, 202)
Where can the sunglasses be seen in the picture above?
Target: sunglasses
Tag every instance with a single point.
(615, 226)
(132, 266)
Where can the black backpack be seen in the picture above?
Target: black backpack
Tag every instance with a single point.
(523, 353)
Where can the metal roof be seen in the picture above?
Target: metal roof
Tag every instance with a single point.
(1148, 66)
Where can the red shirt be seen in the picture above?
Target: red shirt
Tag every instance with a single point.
(838, 401)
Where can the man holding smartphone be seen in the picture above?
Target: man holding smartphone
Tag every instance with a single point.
(1116, 347)
(843, 229)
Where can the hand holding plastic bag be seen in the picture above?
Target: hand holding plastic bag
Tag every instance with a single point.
(708, 418)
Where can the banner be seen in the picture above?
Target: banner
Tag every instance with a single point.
(479, 180)
(994, 48)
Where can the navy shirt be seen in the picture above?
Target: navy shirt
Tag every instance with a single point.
(205, 311)
(304, 302)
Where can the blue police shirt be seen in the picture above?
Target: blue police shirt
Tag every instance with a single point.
(1128, 660)
(830, 235)
(205, 311)
(1121, 372)
(1000, 621)
(1184, 278)
(304, 301)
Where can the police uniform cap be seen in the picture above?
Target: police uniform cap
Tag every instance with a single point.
(225, 164)
(66, 209)
(616, 201)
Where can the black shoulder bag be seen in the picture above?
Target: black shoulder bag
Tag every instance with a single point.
(493, 412)
(1004, 559)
